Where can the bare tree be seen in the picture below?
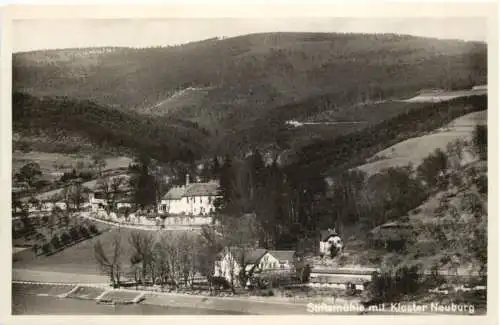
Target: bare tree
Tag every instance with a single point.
(160, 263)
(99, 162)
(143, 243)
(110, 265)
(189, 253)
(239, 236)
(172, 258)
(110, 187)
(210, 247)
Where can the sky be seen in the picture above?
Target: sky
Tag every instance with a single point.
(36, 34)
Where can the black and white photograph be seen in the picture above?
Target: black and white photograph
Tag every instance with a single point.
(286, 165)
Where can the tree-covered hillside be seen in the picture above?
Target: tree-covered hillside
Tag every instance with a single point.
(228, 85)
(78, 122)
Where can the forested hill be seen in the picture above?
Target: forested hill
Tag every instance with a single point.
(70, 120)
(234, 84)
(332, 156)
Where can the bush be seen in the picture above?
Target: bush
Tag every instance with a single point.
(220, 283)
(481, 183)
(391, 285)
(84, 231)
(65, 238)
(305, 274)
(432, 167)
(86, 176)
(46, 248)
(93, 229)
(37, 249)
(56, 243)
(75, 235)
(265, 293)
(435, 279)
(269, 293)
(480, 139)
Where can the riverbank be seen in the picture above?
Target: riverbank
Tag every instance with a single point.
(228, 305)
(31, 299)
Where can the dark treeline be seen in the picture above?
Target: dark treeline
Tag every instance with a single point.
(285, 210)
(162, 138)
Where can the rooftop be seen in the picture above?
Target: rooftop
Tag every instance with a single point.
(253, 255)
(326, 233)
(283, 256)
(193, 189)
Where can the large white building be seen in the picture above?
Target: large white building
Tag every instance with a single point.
(191, 199)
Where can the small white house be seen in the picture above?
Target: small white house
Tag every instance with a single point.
(190, 199)
(329, 238)
(98, 202)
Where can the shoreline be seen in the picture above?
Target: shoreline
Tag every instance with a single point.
(245, 305)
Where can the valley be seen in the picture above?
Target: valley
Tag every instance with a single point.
(274, 138)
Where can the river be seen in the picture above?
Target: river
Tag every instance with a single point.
(29, 302)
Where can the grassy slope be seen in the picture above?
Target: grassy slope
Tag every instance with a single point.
(232, 86)
(67, 162)
(80, 257)
(414, 150)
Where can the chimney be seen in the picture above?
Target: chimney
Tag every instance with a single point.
(187, 179)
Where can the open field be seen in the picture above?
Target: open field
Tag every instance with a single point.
(440, 96)
(79, 258)
(64, 162)
(414, 150)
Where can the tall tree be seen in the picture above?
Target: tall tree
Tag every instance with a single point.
(215, 168)
(226, 194)
(110, 188)
(480, 138)
(73, 196)
(29, 173)
(110, 264)
(144, 183)
(258, 167)
(143, 243)
(99, 162)
(210, 247)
